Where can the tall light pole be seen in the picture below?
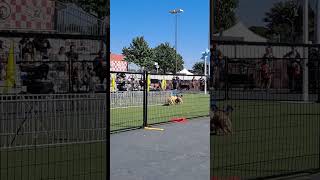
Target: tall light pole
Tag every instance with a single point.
(157, 66)
(205, 56)
(176, 12)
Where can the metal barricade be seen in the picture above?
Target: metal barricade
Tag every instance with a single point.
(29, 120)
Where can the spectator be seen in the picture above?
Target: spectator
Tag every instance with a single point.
(28, 52)
(268, 56)
(174, 84)
(201, 81)
(193, 83)
(22, 44)
(215, 66)
(297, 75)
(293, 56)
(265, 75)
(222, 72)
(98, 66)
(72, 55)
(61, 56)
(141, 83)
(87, 78)
(45, 49)
(178, 83)
(42, 46)
(265, 68)
(76, 79)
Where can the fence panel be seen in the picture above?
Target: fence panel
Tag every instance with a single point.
(52, 136)
(274, 130)
(195, 103)
(127, 100)
(53, 122)
(128, 105)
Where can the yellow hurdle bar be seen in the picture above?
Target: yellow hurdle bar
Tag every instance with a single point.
(154, 129)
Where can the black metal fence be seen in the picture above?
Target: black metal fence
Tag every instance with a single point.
(272, 128)
(42, 65)
(53, 111)
(142, 99)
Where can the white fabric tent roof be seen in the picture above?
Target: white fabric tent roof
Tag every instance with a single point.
(239, 30)
(185, 71)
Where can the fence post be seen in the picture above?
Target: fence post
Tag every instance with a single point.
(226, 76)
(145, 99)
(318, 77)
(69, 75)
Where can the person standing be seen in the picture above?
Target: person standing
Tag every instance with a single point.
(98, 66)
(193, 84)
(215, 66)
(266, 68)
(174, 84)
(268, 55)
(294, 58)
(72, 58)
(265, 75)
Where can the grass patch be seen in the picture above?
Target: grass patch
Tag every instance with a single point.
(194, 105)
(66, 162)
(269, 138)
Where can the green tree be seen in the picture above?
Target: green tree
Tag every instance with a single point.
(139, 53)
(97, 7)
(224, 14)
(285, 18)
(198, 68)
(165, 56)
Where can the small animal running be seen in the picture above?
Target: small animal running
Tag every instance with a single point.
(220, 120)
(175, 100)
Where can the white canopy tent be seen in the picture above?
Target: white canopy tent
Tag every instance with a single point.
(185, 72)
(240, 31)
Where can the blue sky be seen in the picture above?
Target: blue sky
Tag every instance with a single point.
(150, 18)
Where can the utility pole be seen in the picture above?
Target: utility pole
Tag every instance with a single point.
(205, 56)
(176, 12)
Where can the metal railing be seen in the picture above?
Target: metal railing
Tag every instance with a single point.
(38, 120)
(54, 17)
(72, 19)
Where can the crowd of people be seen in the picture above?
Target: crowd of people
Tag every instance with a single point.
(65, 65)
(265, 71)
(125, 82)
(65, 69)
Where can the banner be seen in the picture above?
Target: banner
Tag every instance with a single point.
(148, 82)
(11, 72)
(27, 15)
(113, 83)
(164, 84)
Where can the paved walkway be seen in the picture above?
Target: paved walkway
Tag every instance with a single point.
(180, 152)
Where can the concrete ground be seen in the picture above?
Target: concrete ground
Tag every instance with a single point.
(180, 152)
